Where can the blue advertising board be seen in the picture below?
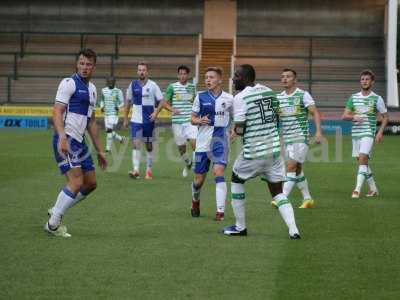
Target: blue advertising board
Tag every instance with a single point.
(331, 126)
(24, 122)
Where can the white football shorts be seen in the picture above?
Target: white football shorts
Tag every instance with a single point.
(110, 121)
(362, 145)
(184, 132)
(270, 169)
(297, 152)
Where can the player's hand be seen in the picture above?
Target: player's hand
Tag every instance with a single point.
(358, 119)
(153, 116)
(232, 135)
(317, 137)
(204, 120)
(125, 124)
(378, 137)
(63, 147)
(101, 159)
(175, 111)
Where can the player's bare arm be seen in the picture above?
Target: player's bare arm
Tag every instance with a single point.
(384, 122)
(93, 132)
(58, 120)
(317, 120)
(126, 114)
(348, 115)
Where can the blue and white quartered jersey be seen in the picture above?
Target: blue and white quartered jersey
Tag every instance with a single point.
(219, 111)
(80, 101)
(143, 99)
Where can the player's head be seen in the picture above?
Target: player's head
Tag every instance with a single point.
(86, 63)
(183, 73)
(288, 78)
(213, 77)
(142, 71)
(111, 82)
(245, 75)
(367, 79)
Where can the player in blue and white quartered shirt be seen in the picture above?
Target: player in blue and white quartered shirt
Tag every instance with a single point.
(212, 110)
(73, 114)
(143, 94)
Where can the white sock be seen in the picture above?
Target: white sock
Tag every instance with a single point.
(286, 211)
(289, 183)
(239, 204)
(79, 197)
(149, 160)
(371, 181)
(136, 160)
(116, 136)
(362, 174)
(220, 193)
(185, 158)
(109, 141)
(64, 200)
(302, 184)
(196, 192)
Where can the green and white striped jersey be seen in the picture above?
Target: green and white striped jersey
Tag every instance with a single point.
(293, 116)
(366, 108)
(181, 97)
(257, 107)
(110, 100)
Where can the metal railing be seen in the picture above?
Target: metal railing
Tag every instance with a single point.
(113, 56)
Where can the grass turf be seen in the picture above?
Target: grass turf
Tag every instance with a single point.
(136, 239)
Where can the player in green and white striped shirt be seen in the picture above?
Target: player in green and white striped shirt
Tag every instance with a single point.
(361, 109)
(111, 100)
(294, 107)
(255, 110)
(179, 100)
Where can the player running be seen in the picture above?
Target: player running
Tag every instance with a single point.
(294, 107)
(211, 113)
(179, 100)
(361, 109)
(255, 116)
(73, 114)
(111, 100)
(143, 94)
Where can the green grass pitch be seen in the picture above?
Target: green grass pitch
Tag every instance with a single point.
(136, 239)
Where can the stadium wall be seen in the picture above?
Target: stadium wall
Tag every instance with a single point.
(352, 18)
(123, 16)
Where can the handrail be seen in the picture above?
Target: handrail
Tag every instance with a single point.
(101, 33)
(102, 54)
(308, 36)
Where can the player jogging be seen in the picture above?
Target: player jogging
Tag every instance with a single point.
(255, 116)
(73, 114)
(179, 100)
(111, 100)
(294, 107)
(361, 109)
(211, 113)
(143, 94)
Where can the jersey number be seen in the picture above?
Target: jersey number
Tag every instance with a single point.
(265, 105)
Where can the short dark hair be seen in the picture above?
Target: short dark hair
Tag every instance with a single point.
(248, 72)
(290, 70)
(217, 70)
(88, 53)
(183, 67)
(142, 63)
(368, 72)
